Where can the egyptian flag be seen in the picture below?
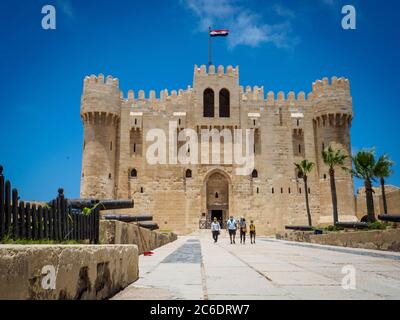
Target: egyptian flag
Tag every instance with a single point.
(219, 33)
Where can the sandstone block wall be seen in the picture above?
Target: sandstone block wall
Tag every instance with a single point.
(83, 272)
(117, 232)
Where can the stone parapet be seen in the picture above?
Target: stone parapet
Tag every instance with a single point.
(66, 272)
(385, 240)
(117, 232)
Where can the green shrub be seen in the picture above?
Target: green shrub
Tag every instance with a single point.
(377, 225)
(333, 229)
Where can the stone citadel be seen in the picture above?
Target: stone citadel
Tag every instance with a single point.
(287, 128)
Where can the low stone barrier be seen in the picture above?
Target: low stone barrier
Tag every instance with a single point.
(117, 232)
(385, 240)
(79, 272)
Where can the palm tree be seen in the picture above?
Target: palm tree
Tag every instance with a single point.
(304, 167)
(364, 168)
(332, 158)
(382, 171)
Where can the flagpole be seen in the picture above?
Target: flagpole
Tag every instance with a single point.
(209, 47)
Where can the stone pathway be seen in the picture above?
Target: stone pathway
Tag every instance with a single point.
(193, 267)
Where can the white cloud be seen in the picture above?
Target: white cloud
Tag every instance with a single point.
(247, 27)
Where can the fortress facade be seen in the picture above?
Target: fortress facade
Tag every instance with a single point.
(287, 128)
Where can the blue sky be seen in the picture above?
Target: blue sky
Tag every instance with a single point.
(283, 45)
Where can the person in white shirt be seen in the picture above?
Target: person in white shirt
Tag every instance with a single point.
(215, 229)
(231, 224)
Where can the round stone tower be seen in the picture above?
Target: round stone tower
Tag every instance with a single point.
(100, 113)
(332, 104)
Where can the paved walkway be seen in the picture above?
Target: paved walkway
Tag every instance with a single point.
(193, 267)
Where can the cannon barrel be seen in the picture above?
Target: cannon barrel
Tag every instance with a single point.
(390, 217)
(149, 225)
(352, 225)
(127, 217)
(299, 228)
(104, 204)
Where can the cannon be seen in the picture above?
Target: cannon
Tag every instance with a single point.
(352, 225)
(390, 217)
(149, 225)
(299, 228)
(103, 204)
(128, 218)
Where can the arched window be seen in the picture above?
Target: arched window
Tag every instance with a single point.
(208, 103)
(254, 174)
(133, 173)
(224, 104)
(216, 195)
(188, 173)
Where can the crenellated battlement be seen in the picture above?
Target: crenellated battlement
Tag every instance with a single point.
(101, 96)
(175, 96)
(282, 97)
(258, 94)
(219, 71)
(103, 93)
(332, 102)
(101, 80)
(336, 86)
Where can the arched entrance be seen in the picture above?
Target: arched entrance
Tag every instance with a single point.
(217, 197)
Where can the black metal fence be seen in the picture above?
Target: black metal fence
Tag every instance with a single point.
(54, 221)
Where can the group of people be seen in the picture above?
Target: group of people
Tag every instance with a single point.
(232, 226)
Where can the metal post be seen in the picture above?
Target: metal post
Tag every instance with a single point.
(209, 47)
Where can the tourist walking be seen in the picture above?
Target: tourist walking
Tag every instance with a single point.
(243, 230)
(215, 229)
(252, 232)
(231, 225)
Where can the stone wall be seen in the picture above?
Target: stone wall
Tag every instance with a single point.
(386, 240)
(81, 272)
(117, 232)
(392, 199)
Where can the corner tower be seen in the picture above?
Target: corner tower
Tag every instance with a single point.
(100, 114)
(333, 113)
